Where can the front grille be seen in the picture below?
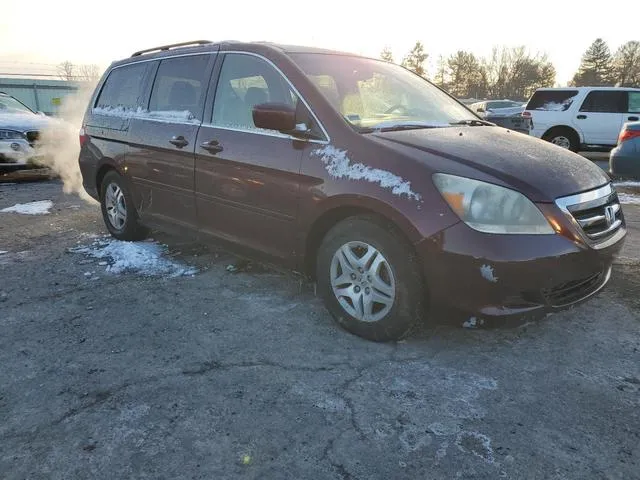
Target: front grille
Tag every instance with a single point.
(597, 213)
(33, 136)
(574, 291)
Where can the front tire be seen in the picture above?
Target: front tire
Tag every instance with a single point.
(118, 212)
(369, 278)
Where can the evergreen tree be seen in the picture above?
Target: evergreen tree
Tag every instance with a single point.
(596, 68)
(415, 59)
(386, 55)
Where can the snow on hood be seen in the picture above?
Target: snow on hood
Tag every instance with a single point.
(33, 208)
(24, 122)
(338, 164)
(144, 258)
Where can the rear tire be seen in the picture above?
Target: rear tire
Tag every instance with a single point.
(564, 138)
(118, 211)
(369, 278)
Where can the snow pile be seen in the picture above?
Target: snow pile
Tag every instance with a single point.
(629, 198)
(338, 164)
(627, 184)
(143, 258)
(161, 116)
(557, 106)
(33, 208)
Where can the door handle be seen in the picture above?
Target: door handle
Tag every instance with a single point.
(581, 117)
(179, 141)
(633, 119)
(212, 146)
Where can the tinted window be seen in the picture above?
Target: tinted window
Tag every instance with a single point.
(124, 87)
(634, 102)
(246, 81)
(552, 100)
(604, 102)
(179, 85)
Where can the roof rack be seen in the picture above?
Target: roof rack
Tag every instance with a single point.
(169, 47)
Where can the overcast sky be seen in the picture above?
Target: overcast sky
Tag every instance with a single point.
(46, 32)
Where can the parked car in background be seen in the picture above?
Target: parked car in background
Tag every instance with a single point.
(20, 129)
(582, 118)
(624, 160)
(487, 106)
(510, 118)
(388, 192)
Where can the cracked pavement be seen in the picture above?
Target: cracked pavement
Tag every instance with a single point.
(245, 375)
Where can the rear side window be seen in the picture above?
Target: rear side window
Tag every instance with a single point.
(634, 102)
(180, 86)
(552, 100)
(603, 101)
(123, 87)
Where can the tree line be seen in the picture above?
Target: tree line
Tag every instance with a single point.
(515, 73)
(80, 73)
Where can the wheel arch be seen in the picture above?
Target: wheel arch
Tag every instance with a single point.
(342, 207)
(571, 129)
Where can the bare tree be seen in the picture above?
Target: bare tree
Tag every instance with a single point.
(89, 73)
(626, 63)
(66, 70)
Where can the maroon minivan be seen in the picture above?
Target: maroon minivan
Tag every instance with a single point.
(394, 196)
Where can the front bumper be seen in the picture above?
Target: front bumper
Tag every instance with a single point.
(512, 279)
(17, 154)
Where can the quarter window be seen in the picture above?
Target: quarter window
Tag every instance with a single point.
(123, 87)
(179, 86)
(603, 101)
(634, 102)
(246, 81)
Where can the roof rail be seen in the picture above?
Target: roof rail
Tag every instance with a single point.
(169, 47)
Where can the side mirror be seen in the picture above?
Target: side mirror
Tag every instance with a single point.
(274, 116)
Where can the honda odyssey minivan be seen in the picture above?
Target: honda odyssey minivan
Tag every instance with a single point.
(392, 195)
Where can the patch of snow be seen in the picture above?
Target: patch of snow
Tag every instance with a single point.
(627, 183)
(476, 443)
(144, 258)
(33, 208)
(488, 274)
(471, 323)
(338, 164)
(2, 252)
(629, 198)
(557, 106)
(160, 116)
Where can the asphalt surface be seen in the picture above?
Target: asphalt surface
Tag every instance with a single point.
(225, 375)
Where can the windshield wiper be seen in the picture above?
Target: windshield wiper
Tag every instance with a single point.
(397, 126)
(474, 123)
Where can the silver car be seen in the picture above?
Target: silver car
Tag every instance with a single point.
(624, 160)
(20, 129)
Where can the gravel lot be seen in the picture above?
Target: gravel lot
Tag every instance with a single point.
(222, 375)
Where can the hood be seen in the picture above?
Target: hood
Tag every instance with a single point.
(23, 122)
(536, 168)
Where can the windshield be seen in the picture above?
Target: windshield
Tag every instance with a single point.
(376, 94)
(11, 105)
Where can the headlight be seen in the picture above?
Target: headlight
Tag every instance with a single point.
(490, 208)
(10, 135)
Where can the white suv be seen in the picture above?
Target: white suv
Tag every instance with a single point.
(582, 118)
